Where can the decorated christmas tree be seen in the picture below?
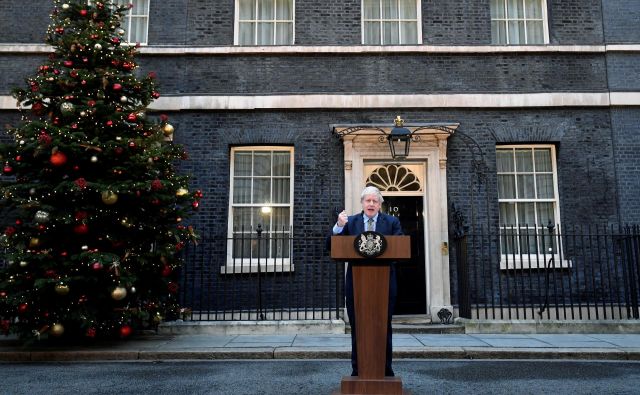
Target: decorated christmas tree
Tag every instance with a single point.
(90, 188)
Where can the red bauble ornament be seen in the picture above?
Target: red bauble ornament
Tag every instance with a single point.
(3, 294)
(68, 63)
(125, 331)
(7, 169)
(132, 117)
(195, 205)
(109, 123)
(118, 150)
(115, 40)
(37, 108)
(23, 308)
(90, 333)
(127, 66)
(58, 158)
(81, 229)
(97, 266)
(155, 95)
(173, 287)
(156, 185)
(117, 87)
(166, 271)
(83, 12)
(132, 144)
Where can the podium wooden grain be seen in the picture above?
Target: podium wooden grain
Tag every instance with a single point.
(371, 299)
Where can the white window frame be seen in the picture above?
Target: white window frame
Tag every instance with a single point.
(380, 20)
(126, 24)
(236, 25)
(511, 261)
(250, 265)
(506, 20)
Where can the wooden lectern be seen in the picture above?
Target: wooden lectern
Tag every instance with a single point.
(371, 299)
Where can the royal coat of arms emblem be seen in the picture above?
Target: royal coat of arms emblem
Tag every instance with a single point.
(370, 244)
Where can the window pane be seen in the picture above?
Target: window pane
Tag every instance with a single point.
(242, 219)
(506, 187)
(409, 32)
(389, 9)
(515, 9)
(261, 190)
(371, 9)
(543, 160)
(526, 214)
(281, 163)
(525, 187)
(265, 34)
(508, 241)
(280, 219)
(528, 241)
(497, 9)
(535, 35)
(242, 190)
(390, 33)
(408, 9)
(265, 10)
(262, 163)
(261, 218)
(284, 10)
(545, 214)
(246, 33)
(247, 9)
(501, 33)
(242, 164)
(140, 7)
(241, 247)
(544, 186)
(524, 160)
(281, 190)
(504, 160)
(372, 33)
(284, 34)
(280, 246)
(516, 32)
(507, 214)
(138, 30)
(534, 9)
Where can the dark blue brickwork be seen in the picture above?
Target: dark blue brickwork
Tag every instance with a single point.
(328, 22)
(456, 22)
(14, 69)
(623, 70)
(625, 124)
(575, 22)
(597, 147)
(406, 73)
(24, 21)
(621, 20)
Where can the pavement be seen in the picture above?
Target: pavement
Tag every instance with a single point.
(150, 347)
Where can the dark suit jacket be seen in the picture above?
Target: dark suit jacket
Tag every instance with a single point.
(386, 224)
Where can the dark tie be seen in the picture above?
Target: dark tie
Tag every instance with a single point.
(370, 225)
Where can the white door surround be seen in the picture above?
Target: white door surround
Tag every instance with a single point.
(430, 148)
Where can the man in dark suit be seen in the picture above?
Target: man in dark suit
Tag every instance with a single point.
(369, 219)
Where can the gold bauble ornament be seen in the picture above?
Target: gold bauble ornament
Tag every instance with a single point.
(57, 330)
(109, 197)
(34, 242)
(62, 289)
(182, 192)
(119, 293)
(167, 129)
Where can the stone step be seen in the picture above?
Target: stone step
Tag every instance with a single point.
(422, 328)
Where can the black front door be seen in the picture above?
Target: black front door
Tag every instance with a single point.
(410, 274)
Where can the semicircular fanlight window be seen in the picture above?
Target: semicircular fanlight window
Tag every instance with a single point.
(394, 178)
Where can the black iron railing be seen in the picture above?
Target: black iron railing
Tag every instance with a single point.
(549, 272)
(259, 275)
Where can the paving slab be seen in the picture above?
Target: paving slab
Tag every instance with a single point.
(450, 341)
